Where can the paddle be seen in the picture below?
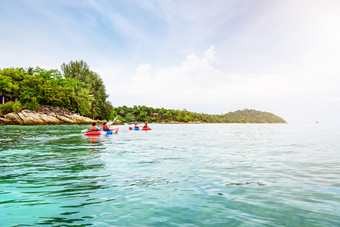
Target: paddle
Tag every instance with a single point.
(111, 122)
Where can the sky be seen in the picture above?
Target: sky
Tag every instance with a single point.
(211, 56)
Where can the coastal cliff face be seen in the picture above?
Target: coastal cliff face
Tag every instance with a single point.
(46, 115)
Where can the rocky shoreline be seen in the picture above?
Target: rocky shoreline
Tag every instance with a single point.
(46, 115)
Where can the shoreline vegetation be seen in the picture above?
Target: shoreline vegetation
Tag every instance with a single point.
(77, 95)
(47, 115)
(161, 115)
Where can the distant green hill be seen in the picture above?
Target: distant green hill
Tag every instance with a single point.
(251, 116)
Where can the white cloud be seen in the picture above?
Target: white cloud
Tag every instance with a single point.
(142, 77)
(198, 84)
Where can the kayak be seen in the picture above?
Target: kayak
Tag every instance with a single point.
(146, 129)
(136, 129)
(97, 133)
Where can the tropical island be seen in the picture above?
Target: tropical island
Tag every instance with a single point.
(77, 95)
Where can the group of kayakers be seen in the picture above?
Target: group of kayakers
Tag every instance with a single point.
(137, 126)
(94, 127)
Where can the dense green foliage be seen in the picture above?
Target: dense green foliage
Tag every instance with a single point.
(149, 114)
(43, 87)
(10, 107)
(101, 108)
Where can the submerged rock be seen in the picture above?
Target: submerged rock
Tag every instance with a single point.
(46, 115)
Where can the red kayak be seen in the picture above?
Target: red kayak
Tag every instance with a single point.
(93, 133)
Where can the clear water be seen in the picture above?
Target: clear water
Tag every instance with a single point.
(187, 175)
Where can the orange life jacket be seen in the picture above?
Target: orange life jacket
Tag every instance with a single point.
(93, 128)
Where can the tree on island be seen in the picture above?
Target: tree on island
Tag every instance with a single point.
(101, 108)
(73, 91)
(43, 87)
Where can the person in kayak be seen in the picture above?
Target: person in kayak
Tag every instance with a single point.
(146, 125)
(94, 127)
(136, 125)
(105, 127)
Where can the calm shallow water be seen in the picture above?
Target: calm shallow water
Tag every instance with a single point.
(188, 175)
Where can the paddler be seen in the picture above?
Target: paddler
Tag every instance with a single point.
(94, 127)
(136, 125)
(146, 125)
(105, 127)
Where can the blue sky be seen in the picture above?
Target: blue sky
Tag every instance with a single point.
(205, 56)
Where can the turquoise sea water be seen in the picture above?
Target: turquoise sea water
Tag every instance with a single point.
(174, 175)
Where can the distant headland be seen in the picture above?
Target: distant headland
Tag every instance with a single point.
(161, 115)
(77, 95)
